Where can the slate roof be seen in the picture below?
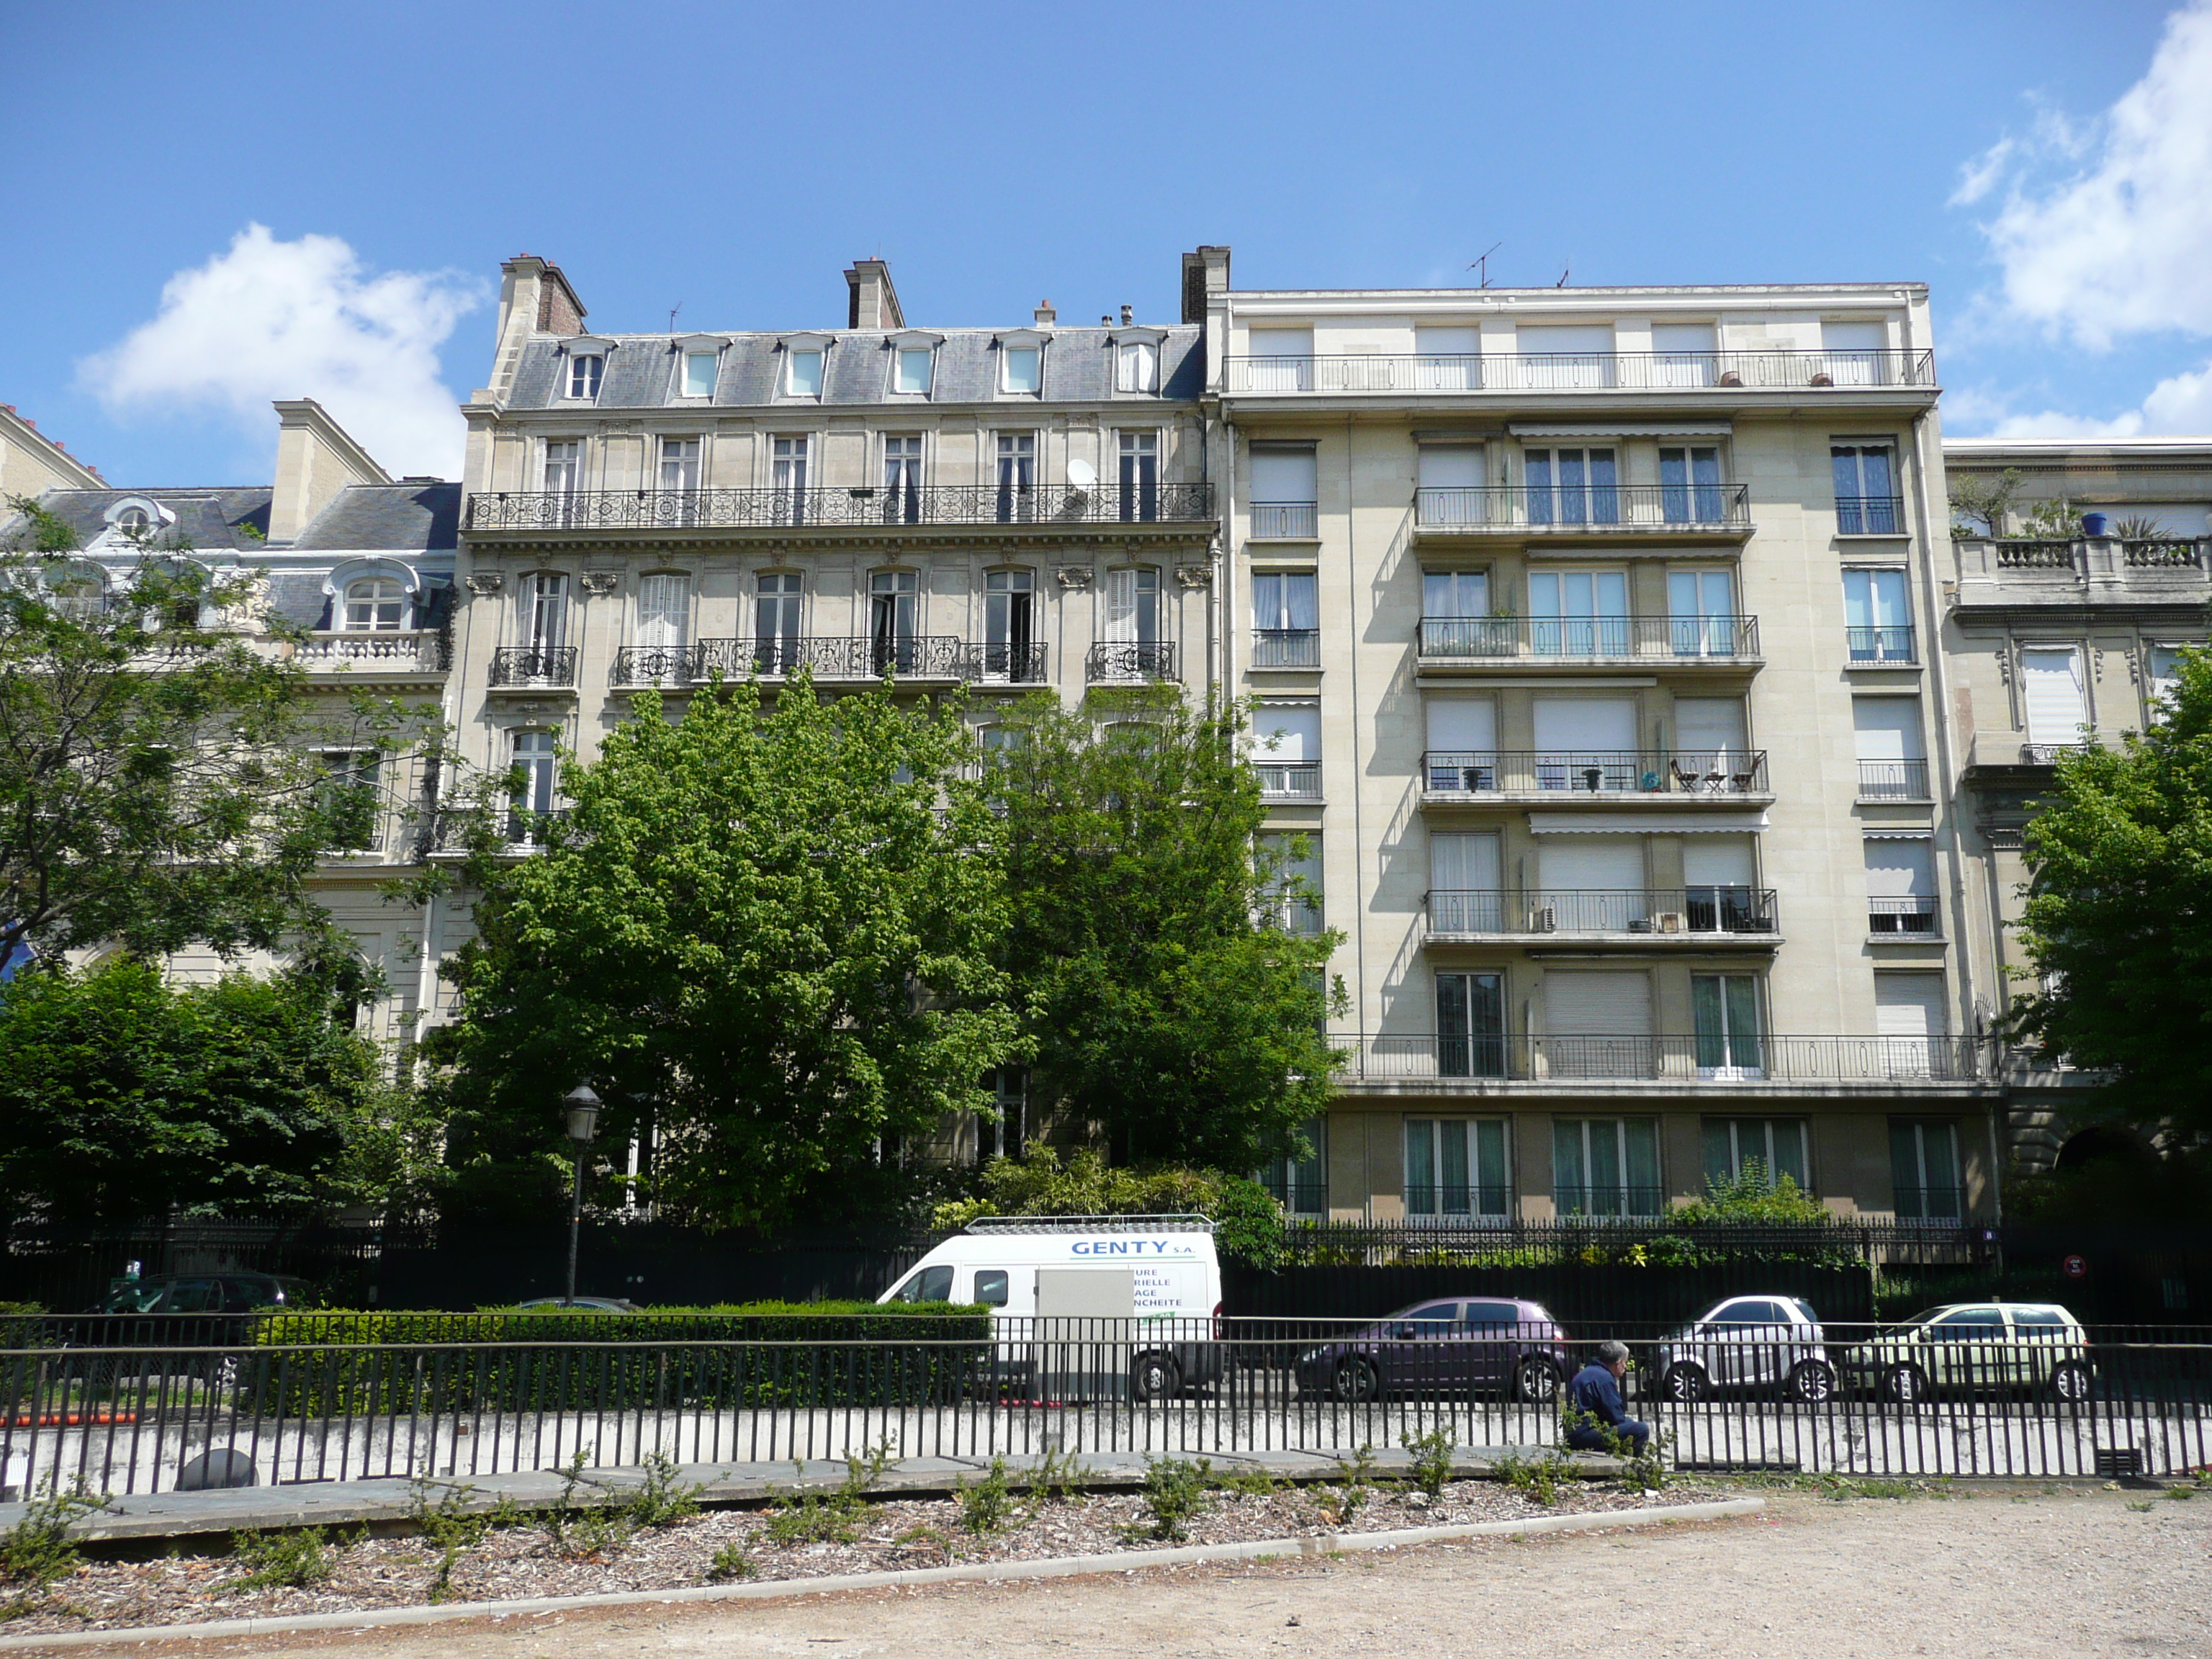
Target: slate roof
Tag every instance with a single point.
(396, 517)
(1079, 367)
(206, 519)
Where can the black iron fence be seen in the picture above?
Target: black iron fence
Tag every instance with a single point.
(1130, 661)
(534, 665)
(1896, 780)
(896, 505)
(1889, 642)
(1684, 1057)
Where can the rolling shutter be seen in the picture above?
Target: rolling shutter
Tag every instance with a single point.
(1597, 1025)
(2055, 695)
(1585, 724)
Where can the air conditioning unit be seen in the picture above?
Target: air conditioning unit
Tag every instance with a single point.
(1672, 922)
(1546, 921)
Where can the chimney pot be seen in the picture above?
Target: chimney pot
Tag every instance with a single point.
(1045, 313)
(1128, 315)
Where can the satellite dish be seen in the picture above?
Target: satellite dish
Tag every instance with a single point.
(1082, 474)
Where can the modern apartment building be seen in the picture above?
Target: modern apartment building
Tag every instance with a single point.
(2055, 637)
(1594, 631)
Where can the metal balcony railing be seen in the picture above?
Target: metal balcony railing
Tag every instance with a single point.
(2047, 754)
(928, 504)
(1714, 908)
(534, 665)
(914, 657)
(1938, 1204)
(1289, 780)
(1112, 660)
(1912, 914)
(1286, 648)
(410, 651)
(1896, 780)
(1594, 772)
(653, 665)
(1870, 515)
(1609, 1199)
(1578, 371)
(1699, 1058)
(1890, 643)
(1285, 521)
(1297, 1195)
(1589, 638)
(1611, 507)
(1450, 1201)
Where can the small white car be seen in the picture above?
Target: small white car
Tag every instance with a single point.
(1761, 1343)
(1978, 1348)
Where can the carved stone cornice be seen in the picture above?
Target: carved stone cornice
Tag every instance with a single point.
(1073, 577)
(600, 583)
(485, 583)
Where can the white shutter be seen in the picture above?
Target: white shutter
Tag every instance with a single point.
(1682, 336)
(2055, 695)
(1451, 466)
(1908, 1004)
(1705, 725)
(1717, 861)
(1283, 475)
(1288, 733)
(664, 608)
(1462, 724)
(1590, 864)
(1585, 724)
(1888, 728)
(1580, 338)
(1447, 359)
(1898, 868)
(1281, 343)
(1118, 626)
(1597, 1005)
(1284, 361)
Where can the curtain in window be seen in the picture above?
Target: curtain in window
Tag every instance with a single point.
(1471, 1024)
(664, 612)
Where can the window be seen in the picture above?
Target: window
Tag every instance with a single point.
(350, 802)
(894, 602)
(1690, 485)
(1471, 1024)
(1137, 367)
(1016, 456)
(1010, 1091)
(1892, 764)
(1923, 1170)
(1011, 649)
(1572, 486)
(1294, 897)
(535, 759)
(913, 370)
(78, 592)
(664, 613)
(1456, 1166)
(679, 464)
(902, 478)
(1450, 491)
(1587, 744)
(1900, 885)
(990, 1287)
(1710, 745)
(1465, 893)
(1867, 502)
(930, 1284)
(1717, 876)
(1877, 618)
(1456, 619)
(1287, 753)
(1140, 476)
(1606, 1166)
(2055, 697)
(1286, 619)
(1300, 1185)
(374, 605)
(775, 622)
(544, 616)
(564, 465)
(1131, 614)
(1701, 613)
(132, 517)
(1021, 368)
(1853, 352)
(802, 374)
(1462, 745)
(789, 476)
(1591, 884)
(1578, 613)
(584, 374)
(1729, 1039)
(1909, 1017)
(2161, 677)
(1557, 356)
(1777, 1145)
(1283, 493)
(699, 368)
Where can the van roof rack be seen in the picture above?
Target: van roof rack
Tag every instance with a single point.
(1089, 1223)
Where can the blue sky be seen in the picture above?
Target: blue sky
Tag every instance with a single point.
(735, 158)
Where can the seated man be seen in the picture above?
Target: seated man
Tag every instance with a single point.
(1595, 1393)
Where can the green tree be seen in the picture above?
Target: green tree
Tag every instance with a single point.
(124, 1096)
(1248, 1222)
(770, 930)
(2118, 919)
(1163, 994)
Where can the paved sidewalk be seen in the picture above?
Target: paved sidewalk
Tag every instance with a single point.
(393, 1499)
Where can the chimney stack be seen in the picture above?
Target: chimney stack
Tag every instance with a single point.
(1205, 273)
(1046, 316)
(1128, 315)
(874, 300)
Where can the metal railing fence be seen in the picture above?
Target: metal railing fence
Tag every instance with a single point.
(1604, 638)
(1578, 371)
(1708, 909)
(1881, 643)
(1583, 506)
(771, 508)
(2050, 1401)
(1594, 771)
(1475, 1058)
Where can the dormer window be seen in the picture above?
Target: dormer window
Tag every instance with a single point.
(915, 365)
(699, 368)
(132, 517)
(373, 605)
(802, 376)
(1021, 368)
(584, 370)
(135, 515)
(1137, 367)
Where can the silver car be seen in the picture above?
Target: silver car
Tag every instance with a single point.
(1761, 1343)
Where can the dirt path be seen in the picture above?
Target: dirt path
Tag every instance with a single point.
(2073, 1575)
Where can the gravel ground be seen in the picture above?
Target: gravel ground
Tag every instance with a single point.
(525, 1560)
(2073, 1575)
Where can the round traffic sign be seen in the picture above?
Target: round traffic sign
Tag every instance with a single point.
(2074, 1267)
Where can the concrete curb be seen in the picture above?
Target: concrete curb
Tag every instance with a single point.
(981, 1571)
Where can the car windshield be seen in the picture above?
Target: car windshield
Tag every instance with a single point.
(139, 1296)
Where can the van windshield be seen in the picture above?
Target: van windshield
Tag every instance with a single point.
(928, 1285)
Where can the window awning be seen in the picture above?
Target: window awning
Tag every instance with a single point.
(1620, 429)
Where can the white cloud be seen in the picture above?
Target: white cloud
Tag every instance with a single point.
(271, 319)
(2120, 240)
(2179, 405)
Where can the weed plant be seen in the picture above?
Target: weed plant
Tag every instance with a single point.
(1059, 1477)
(986, 1506)
(1432, 1458)
(281, 1559)
(834, 1517)
(1175, 1495)
(729, 1563)
(37, 1553)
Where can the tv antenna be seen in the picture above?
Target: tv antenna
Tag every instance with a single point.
(1566, 271)
(1481, 265)
(672, 310)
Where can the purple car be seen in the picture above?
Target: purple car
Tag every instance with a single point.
(1455, 1347)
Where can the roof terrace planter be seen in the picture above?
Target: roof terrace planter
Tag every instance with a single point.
(1583, 509)
(1509, 373)
(861, 506)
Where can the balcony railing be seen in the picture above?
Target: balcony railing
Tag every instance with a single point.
(1579, 371)
(1896, 780)
(534, 665)
(1589, 638)
(1688, 1058)
(1297, 1195)
(1890, 643)
(1285, 521)
(2047, 754)
(413, 651)
(915, 657)
(1594, 772)
(1870, 515)
(1659, 911)
(1289, 780)
(1610, 1200)
(930, 504)
(1112, 660)
(1445, 1200)
(2160, 555)
(517, 829)
(1286, 648)
(1911, 914)
(2041, 555)
(1586, 506)
(1938, 1204)
(653, 665)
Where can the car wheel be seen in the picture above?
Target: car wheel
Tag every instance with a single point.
(1155, 1377)
(1356, 1380)
(1907, 1385)
(1537, 1381)
(2070, 1382)
(1812, 1382)
(1686, 1382)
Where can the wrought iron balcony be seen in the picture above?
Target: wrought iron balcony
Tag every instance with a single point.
(916, 657)
(1459, 374)
(1609, 772)
(410, 651)
(1440, 1201)
(653, 665)
(1285, 521)
(929, 504)
(1896, 780)
(534, 665)
(1588, 639)
(1286, 648)
(1691, 1059)
(1912, 914)
(1870, 515)
(1111, 660)
(1873, 647)
(1578, 509)
(1661, 911)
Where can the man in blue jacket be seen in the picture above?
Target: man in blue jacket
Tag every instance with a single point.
(1595, 1393)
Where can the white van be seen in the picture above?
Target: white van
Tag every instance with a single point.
(1104, 1296)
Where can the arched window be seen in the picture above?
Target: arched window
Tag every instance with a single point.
(374, 603)
(132, 517)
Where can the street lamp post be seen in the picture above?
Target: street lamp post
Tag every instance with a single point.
(583, 1118)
